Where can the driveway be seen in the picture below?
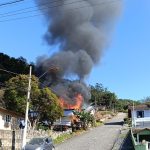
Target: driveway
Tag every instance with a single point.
(100, 138)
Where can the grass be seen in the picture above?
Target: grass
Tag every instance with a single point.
(66, 136)
(98, 123)
(106, 112)
(62, 138)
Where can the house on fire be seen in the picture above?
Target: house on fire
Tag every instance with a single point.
(66, 119)
(9, 119)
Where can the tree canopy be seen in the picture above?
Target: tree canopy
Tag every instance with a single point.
(17, 65)
(42, 101)
(102, 97)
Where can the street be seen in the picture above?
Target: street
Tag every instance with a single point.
(100, 138)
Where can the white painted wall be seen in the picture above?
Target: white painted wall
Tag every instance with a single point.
(2, 123)
(136, 121)
(146, 113)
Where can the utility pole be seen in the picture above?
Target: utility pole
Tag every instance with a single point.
(133, 120)
(27, 109)
(95, 102)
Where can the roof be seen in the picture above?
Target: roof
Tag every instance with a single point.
(12, 113)
(140, 107)
(135, 130)
(68, 112)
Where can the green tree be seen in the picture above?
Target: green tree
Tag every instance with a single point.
(47, 105)
(96, 93)
(2, 104)
(122, 104)
(86, 118)
(109, 99)
(102, 96)
(16, 92)
(17, 65)
(43, 101)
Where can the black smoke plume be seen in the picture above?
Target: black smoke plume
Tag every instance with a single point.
(81, 28)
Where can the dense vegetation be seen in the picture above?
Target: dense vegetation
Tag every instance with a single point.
(19, 66)
(42, 101)
(103, 98)
(13, 90)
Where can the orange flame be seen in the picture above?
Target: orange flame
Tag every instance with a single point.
(77, 105)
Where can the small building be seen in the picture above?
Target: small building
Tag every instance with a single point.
(140, 131)
(140, 115)
(90, 109)
(140, 138)
(66, 119)
(9, 120)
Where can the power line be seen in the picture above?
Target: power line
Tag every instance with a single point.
(9, 71)
(14, 14)
(39, 14)
(30, 7)
(11, 2)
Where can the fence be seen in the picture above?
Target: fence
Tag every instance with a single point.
(12, 140)
(138, 146)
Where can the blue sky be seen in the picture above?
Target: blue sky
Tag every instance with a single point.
(124, 68)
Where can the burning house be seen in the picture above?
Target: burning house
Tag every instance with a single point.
(80, 30)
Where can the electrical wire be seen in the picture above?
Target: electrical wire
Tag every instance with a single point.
(12, 13)
(39, 14)
(9, 71)
(29, 7)
(2, 16)
(11, 2)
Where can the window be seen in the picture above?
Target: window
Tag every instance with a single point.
(140, 114)
(7, 118)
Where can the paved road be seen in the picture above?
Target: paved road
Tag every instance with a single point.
(100, 138)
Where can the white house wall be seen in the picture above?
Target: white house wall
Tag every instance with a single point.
(146, 113)
(141, 122)
(2, 122)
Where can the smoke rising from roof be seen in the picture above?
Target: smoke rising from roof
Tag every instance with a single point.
(81, 29)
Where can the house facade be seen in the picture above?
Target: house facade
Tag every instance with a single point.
(66, 119)
(9, 120)
(140, 116)
(140, 131)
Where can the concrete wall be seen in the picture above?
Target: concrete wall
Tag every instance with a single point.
(6, 137)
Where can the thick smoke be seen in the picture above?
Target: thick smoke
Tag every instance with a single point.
(81, 29)
(69, 89)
